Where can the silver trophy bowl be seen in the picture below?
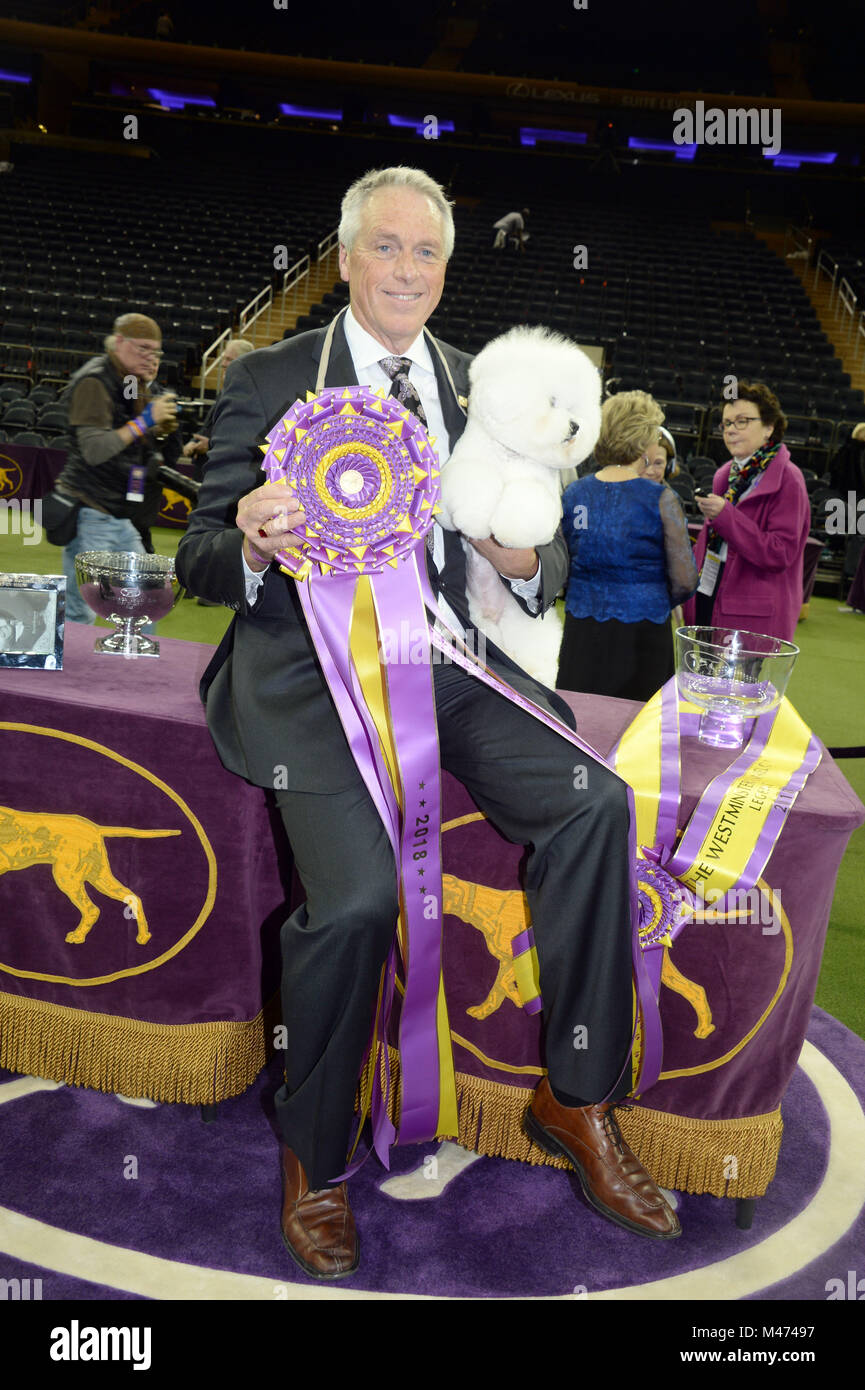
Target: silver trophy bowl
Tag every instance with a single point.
(732, 676)
(131, 590)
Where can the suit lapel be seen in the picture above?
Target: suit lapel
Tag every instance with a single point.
(454, 417)
(340, 368)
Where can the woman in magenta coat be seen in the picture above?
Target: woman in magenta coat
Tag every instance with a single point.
(757, 521)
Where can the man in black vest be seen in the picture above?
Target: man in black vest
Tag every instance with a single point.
(112, 458)
(269, 709)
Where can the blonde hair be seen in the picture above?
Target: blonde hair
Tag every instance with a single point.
(629, 424)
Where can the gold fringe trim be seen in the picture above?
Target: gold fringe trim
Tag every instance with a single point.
(194, 1063)
(695, 1155)
(681, 1153)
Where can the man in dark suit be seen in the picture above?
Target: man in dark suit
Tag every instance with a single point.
(269, 711)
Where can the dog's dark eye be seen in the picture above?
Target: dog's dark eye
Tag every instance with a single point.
(553, 402)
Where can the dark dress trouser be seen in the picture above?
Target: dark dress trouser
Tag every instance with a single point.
(522, 775)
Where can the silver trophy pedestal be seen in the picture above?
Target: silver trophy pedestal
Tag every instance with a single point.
(131, 590)
(128, 640)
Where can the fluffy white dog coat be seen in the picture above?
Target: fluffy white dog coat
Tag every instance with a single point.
(534, 411)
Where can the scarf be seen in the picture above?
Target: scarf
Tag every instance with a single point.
(740, 479)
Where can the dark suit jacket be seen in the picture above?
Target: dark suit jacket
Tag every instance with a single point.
(268, 706)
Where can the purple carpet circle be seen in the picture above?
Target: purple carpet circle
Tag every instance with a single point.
(365, 472)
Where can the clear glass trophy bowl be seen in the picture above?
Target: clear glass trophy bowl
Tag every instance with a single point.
(732, 676)
(131, 590)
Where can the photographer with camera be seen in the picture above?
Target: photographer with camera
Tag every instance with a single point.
(110, 477)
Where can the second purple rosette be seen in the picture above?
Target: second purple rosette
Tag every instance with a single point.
(365, 472)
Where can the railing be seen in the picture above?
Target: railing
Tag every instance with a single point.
(846, 304)
(214, 352)
(859, 346)
(824, 261)
(316, 277)
(291, 282)
(262, 303)
(802, 241)
(325, 249)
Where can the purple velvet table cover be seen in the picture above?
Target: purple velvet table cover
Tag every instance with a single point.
(734, 1019)
(28, 472)
(123, 743)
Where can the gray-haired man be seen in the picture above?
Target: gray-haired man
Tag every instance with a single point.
(268, 705)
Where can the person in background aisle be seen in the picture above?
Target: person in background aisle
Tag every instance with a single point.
(511, 227)
(196, 448)
(198, 445)
(631, 560)
(757, 521)
(662, 458)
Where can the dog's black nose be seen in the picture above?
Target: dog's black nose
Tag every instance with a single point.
(572, 429)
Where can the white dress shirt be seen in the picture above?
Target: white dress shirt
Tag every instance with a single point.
(366, 354)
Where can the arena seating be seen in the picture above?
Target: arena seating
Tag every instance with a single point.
(676, 305)
(87, 237)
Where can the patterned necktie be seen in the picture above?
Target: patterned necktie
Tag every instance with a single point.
(397, 369)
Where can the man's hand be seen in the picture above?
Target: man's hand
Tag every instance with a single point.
(165, 411)
(513, 564)
(198, 444)
(266, 517)
(711, 506)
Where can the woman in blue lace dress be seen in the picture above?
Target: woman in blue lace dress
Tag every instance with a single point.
(631, 560)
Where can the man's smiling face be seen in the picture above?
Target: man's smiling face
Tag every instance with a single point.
(396, 268)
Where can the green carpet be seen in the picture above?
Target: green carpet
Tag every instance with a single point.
(826, 688)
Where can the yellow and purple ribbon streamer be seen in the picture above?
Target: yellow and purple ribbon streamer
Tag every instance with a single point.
(364, 470)
(731, 833)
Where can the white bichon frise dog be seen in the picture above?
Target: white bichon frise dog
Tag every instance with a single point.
(534, 411)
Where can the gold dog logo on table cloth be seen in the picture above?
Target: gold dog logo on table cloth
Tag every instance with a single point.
(174, 506)
(11, 476)
(75, 850)
(72, 848)
(502, 915)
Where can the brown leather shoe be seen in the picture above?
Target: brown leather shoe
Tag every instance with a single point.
(317, 1226)
(613, 1179)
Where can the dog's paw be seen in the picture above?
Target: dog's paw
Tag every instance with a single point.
(525, 516)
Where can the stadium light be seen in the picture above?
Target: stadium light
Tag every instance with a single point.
(410, 123)
(175, 101)
(666, 146)
(790, 159)
(310, 113)
(529, 135)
